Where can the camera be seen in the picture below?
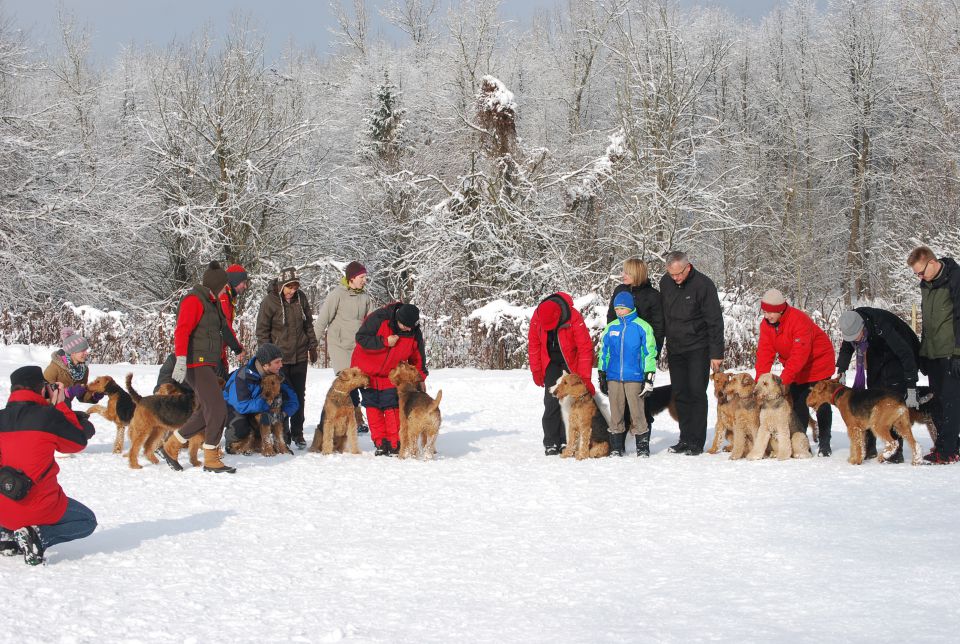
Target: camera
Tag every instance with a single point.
(49, 389)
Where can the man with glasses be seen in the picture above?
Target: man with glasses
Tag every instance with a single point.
(693, 323)
(940, 344)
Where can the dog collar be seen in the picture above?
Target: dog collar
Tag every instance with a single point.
(341, 392)
(833, 399)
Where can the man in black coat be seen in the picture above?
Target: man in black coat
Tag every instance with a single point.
(693, 326)
(887, 357)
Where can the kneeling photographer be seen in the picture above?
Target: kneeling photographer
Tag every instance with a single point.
(34, 511)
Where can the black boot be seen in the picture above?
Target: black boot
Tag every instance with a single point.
(870, 446)
(897, 456)
(616, 443)
(28, 538)
(8, 544)
(643, 445)
(382, 448)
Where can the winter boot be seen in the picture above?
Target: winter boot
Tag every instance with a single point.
(551, 450)
(8, 544)
(28, 538)
(212, 462)
(870, 446)
(616, 443)
(679, 448)
(897, 456)
(389, 449)
(361, 422)
(382, 448)
(170, 451)
(299, 440)
(643, 445)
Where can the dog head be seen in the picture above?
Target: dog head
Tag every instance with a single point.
(822, 393)
(352, 378)
(720, 380)
(769, 387)
(740, 385)
(570, 384)
(103, 385)
(270, 387)
(405, 374)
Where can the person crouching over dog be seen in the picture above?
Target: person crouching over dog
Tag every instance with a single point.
(627, 365)
(35, 514)
(558, 341)
(804, 350)
(242, 394)
(390, 335)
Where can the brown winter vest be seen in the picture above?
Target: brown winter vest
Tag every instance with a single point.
(206, 341)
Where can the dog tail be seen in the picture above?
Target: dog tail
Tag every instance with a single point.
(659, 399)
(133, 392)
(436, 401)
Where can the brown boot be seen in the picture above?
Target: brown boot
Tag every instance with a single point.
(170, 451)
(212, 462)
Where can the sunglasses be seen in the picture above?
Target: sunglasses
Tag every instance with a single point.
(923, 270)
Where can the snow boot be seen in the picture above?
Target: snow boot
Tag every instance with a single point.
(679, 448)
(28, 538)
(643, 445)
(8, 544)
(361, 422)
(299, 440)
(212, 462)
(170, 451)
(897, 456)
(382, 448)
(616, 443)
(551, 450)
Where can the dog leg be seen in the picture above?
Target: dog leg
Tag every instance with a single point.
(801, 445)
(279, 444)
(266, 440)
(328, 435)
(783, 443)
(856, 445)
(136, 442)
(739, 443)
(760, 445)
(352, 444)
(716, 438)
(118, 441)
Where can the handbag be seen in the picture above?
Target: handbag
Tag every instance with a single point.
(14, 484)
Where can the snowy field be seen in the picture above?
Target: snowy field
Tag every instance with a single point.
(493, 541)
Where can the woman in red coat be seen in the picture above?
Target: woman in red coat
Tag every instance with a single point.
(388, 336)
(558, 341)
(804, 350)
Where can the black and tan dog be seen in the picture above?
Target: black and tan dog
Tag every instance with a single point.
(156, 416)
(337, 431)
(866, 410)
(584, 437)
(268, 437)
(119, 408)
(419, 413)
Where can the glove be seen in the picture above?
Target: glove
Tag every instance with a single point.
(840, 377)
(647, 385)
(911, 399)
(96, 398)
(312, 353)
(603, 382)
(955, 367)
(75, 391)
(180, 369)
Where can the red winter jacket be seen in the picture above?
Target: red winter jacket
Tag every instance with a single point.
(375, 358)
(30, 431)
(228, 304)
(575, 343)
(805, 351)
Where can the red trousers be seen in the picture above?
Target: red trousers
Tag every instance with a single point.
(384, 425)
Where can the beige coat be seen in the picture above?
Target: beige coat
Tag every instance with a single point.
(57, 371)
(340, 317)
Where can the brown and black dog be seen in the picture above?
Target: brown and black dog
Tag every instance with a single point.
(156, 416)
(269, 439)
(419, 413)
(779, 429)
(725, 412)
(866, 410)
(337, 431)
(739, 392)
(578, 409)
(119, 408)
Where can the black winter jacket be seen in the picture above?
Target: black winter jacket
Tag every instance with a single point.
(646, 300)
(692, 315)
(893, 351)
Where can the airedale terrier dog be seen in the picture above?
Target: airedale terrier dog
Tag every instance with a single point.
(725, 411)
(267, 437)
(779, 428)
(578, 410)
(739, 392)
(119, 408)
(337, 430)
(419, 413)
(154, 417)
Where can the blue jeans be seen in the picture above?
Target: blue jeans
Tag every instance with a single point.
(77, 522)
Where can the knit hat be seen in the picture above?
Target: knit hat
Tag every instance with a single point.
(214, 278)
(549, 312)
(73, 342)
(851, 324)
(408, 315)
(623, 299)
(30, 377)
(354, 269)
(235, 275)
(288, 276)
(267, 353)
(773, 301)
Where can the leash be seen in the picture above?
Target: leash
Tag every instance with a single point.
(833, 400)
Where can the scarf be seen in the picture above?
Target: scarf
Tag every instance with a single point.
(77, 371)
(860, 379)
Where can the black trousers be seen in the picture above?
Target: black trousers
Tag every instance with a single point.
(297, 375)
(798, 395)
(947, 416)
(552, 421)
(689, 376)
(239, 426)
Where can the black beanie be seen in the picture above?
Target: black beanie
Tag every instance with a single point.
(214, 278)
(30, 377)
(408, 315)
(267, 353)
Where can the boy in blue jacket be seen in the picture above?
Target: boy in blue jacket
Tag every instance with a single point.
(627, 364)
(242, 393)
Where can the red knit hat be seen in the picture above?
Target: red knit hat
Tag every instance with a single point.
(354, 269)
(236, 274)
(549, 312)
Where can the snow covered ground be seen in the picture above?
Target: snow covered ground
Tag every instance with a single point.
(492, 542)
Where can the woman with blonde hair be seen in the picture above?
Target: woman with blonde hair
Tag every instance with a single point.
(647, 304)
